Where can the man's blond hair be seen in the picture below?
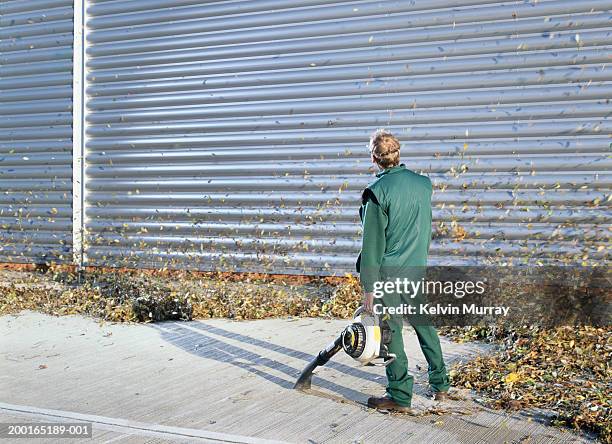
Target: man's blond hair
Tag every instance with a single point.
(385, 148)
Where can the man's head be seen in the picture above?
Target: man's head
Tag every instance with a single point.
(384, 149)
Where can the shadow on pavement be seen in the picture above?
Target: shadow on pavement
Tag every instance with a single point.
(345, 369)
(206, 346)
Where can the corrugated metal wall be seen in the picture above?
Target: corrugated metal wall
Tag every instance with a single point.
(233, 134)
(35, 130)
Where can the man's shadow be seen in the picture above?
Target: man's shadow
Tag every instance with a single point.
(203, 344)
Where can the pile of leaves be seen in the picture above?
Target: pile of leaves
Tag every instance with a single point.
(146, 297)
(259, 300)
(57, 300)
(564, 370)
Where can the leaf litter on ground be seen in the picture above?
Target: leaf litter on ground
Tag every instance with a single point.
(564, 370)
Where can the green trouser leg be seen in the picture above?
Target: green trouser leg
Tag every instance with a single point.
(399, 381)
(430, 345)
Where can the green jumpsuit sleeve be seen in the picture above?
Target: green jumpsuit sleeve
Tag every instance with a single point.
(373, 244)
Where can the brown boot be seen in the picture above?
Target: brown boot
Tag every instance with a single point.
(386, 403)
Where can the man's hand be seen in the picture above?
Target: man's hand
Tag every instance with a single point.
(368, 302)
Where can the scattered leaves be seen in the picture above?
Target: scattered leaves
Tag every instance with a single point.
(565, 370)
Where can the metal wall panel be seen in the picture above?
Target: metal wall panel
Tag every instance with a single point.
(233, 134)
(35, 130)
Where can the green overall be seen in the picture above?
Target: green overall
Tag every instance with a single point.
(396, 218)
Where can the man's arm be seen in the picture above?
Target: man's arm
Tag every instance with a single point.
(373, 244)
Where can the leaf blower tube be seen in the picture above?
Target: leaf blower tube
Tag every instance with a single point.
(365, 340)
(305, 379)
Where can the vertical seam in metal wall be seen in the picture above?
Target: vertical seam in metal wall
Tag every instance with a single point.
(78, 125)
(84, 115)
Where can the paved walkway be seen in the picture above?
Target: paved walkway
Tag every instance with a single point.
(224, 381)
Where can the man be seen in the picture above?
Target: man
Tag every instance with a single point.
(396, 219)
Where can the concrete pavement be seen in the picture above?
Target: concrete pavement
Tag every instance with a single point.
(225, 381)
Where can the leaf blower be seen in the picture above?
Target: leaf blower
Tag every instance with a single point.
(365, 340)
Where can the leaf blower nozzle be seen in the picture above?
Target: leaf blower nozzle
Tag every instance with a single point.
(365, 339)
(305, 379)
